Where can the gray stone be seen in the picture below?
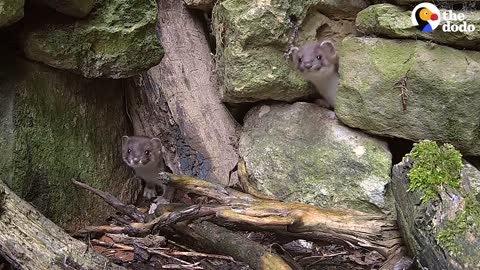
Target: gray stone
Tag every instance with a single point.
(116, 40)
(392, 21)
(442, 90)
(11, 11)
(252, 37)
(299, 154)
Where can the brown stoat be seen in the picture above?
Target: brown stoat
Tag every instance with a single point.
(143, 154)
(318, 63)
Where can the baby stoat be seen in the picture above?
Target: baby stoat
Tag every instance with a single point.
(143, 154)
(318, 63)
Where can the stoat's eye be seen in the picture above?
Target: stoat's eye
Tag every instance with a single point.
(319, 57)
(147, 153)
(129, 150)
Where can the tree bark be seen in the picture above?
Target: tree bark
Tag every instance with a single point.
(28, 240)
(178, 101)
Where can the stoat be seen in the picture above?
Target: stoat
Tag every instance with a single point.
(144, 156)
(318, 62)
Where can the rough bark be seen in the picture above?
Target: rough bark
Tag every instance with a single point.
(177, 101)
(302, 221)
(220, 240)
(28, 240)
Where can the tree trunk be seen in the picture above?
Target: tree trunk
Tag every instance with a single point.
(178, 101)
(28, 240)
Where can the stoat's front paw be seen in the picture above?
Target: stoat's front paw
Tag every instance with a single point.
(161, 200)
(149, 192)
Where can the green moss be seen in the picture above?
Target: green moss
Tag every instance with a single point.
(454, 232)
(116, 40)
(392, 59)
(10, 11)
(434, 167)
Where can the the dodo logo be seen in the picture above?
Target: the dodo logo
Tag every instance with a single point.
(426, 17)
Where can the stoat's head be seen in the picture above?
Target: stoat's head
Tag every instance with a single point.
(315, 56)
(140, 151)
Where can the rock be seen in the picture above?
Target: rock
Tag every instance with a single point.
(252, 37)
(55, 126)
(75, 8)
(441, 93)
(441, 234)
(11, 11)
(205, 5)
(116, 40)
(299, 154)
(392, 21)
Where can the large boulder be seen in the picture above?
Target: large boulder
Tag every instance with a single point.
(10, 11)
(394, 22)
(299, 154)
(440, 230)
(75, 8)
(252, 37)
(411, 89)
(56, 126)
(116, 40)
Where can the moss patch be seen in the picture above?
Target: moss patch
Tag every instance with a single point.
(452, 236)
(434, 167)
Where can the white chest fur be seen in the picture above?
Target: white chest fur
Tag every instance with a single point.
(325, 81)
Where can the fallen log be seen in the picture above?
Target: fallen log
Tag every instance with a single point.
(28, 240)
(370, 231)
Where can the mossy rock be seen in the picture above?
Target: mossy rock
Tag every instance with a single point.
(117, 40)
(56, 126)
(394, 22)
(251, 39)
(442, 232)
(75, 8)
(440, 88)
(299, 154)
(11, 11)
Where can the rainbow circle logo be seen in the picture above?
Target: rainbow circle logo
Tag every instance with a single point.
(426, 17)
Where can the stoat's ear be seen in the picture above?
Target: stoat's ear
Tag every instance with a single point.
(328, 47)
(157, 144)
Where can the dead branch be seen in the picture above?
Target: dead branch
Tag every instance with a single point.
(114, 202)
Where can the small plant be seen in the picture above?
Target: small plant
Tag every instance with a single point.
(434, 167)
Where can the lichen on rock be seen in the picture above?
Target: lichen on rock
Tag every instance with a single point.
(117, 40)
(252, 37)
(56, 126)
(299, 154)
(411, 89)
(394, 22)
(10, 11)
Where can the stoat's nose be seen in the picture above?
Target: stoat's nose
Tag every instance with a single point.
(135, 160)
(308, 65)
